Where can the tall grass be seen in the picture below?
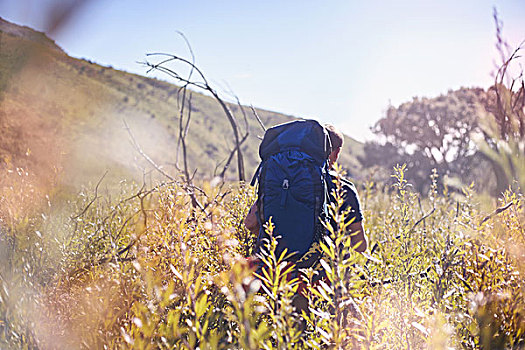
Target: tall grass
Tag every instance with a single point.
(144, 270)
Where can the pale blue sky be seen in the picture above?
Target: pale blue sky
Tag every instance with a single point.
(337, 61)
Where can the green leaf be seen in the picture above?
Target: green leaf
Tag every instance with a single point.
(201, 305)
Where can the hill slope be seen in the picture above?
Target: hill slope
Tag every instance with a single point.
(63, 118)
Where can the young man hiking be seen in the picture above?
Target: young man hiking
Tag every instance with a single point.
(278, 188)
(350, 196)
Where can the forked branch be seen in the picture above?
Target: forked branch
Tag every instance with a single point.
(203, 85)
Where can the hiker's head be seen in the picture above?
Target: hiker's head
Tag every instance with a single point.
(336, 139)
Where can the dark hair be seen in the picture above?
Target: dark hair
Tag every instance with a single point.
(336, 137)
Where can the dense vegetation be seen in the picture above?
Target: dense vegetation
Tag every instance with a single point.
(147, 270)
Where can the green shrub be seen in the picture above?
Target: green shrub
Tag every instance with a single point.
(145, 269)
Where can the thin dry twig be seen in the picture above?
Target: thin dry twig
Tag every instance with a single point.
(423, 218)
(144, 155)
(496, 212)
(230, 157)
(258, 118)
(188, 188)
(95, 197)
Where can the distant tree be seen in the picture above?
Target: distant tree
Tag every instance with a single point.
(470, 134)
(429, 133)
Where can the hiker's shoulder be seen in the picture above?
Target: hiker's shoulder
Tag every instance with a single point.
(345, 182)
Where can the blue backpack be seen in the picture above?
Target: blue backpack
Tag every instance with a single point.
(292, 178)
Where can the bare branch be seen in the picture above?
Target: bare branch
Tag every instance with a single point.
(496, 212)
(144, 155)
(230, 157)
(257, 117)
(95, 197)
(188, 46)
(204, 85)
(423, 218)
(188, 188)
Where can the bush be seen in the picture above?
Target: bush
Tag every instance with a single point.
(146, 270)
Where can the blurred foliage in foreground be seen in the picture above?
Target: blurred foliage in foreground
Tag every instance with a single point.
(145, 270)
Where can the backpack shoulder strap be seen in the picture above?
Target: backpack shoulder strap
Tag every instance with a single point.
(255, 176)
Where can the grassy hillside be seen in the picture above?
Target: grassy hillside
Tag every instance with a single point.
(63, 118)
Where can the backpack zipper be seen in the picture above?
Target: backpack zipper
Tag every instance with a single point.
(285, 187)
